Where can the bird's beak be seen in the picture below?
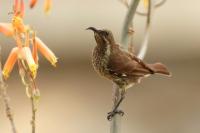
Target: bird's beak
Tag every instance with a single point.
(93, 29)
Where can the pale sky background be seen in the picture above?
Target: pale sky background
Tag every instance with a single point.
(175, 32)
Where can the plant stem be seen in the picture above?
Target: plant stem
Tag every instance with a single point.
(116, 120)
(128, 20)
(8, 108)
(156, 5)
(30, 85)
(145, 42)
(131, 31)
(6, 99)
(33, 113)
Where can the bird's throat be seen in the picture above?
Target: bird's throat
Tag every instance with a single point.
(103, 51)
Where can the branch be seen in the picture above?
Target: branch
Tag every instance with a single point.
(128, 20)
(157, 5)
(130, 30)
(32, 91)
(6, 99)
(145, 42)
(160, 3)
(33, 107)
(116, 120)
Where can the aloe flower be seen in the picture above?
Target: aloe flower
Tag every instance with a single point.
(23, 53)
(146, 3)
(19, 8)
(12, 58)
(32, 3)
(24, 36)
(47, 5)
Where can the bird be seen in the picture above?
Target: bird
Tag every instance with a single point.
(112, 61)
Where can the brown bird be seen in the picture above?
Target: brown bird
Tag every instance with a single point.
(123, 68)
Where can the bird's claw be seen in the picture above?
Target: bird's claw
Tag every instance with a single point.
(113, 113)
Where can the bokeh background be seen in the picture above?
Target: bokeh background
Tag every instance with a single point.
(74, 99)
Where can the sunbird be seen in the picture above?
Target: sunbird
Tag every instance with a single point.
(125, 69)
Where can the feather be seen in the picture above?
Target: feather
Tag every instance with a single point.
(160, 68)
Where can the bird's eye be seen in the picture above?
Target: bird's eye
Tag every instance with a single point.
(104, 33)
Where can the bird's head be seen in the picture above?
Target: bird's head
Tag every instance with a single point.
(103, 36)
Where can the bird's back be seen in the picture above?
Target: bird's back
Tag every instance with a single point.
(113, 63)
(122, 62)
(122, 66)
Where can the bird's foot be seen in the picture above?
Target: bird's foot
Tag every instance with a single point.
(113, 113)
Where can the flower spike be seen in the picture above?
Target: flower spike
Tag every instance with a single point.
(24, 36)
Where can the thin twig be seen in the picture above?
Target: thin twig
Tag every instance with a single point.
(157, 5)
(131, 31)
(128, 20)
(30, 85)
(33, 121)
(145, 42)
(116, 120)
(160, 3)
(6, 99)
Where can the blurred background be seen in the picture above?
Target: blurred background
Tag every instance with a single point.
(74, 99)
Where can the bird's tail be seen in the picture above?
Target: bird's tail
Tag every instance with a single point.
(159, 68)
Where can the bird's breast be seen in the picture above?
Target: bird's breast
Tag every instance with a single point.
(100, 60)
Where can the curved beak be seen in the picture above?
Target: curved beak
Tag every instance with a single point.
(93, 29)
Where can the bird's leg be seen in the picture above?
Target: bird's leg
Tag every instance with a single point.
(115, 109)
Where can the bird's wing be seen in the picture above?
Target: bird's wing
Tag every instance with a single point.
(121, 63)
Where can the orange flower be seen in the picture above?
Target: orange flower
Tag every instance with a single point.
(6, 29)
(32, 3)
(35, 51)
(27, 56)
(19, 8)
(20, 54)
(18, 24)
(47, 5)
(12, 58)
(50, 56)
(146, 3)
